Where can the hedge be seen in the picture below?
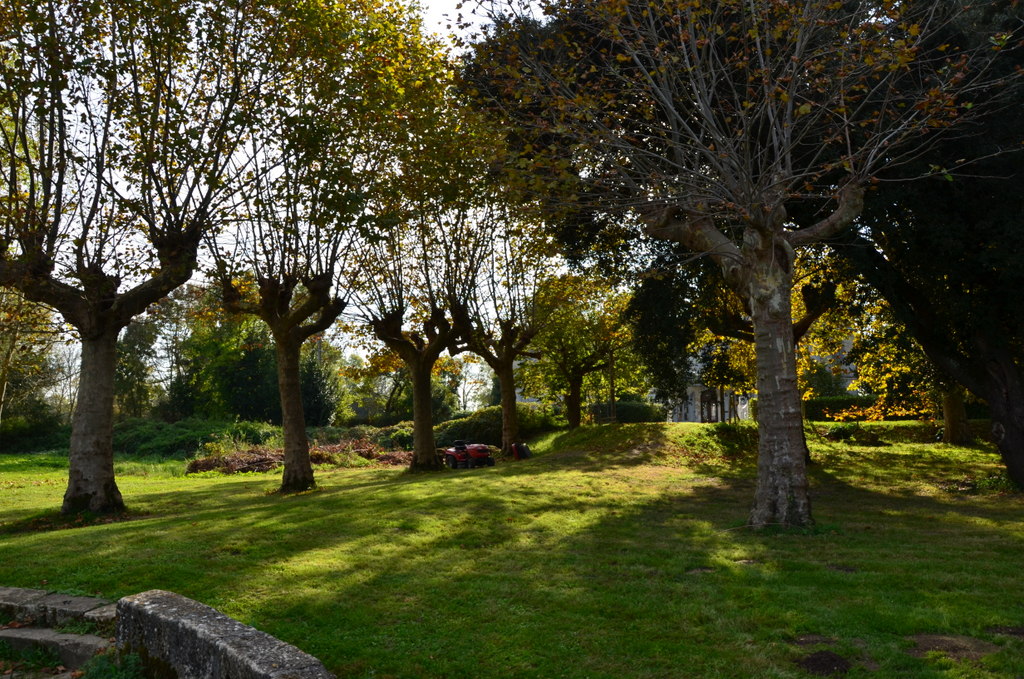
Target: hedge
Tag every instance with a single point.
(631, 411)
(484, 426)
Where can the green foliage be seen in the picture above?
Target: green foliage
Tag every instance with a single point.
(826, 407)
(136, 353)
(179, 440)
(822, 382)
(630, 411)
(21, 434)
(77, 627)
(484, 426)
(38, 657)
(110, 666)
(321, 392)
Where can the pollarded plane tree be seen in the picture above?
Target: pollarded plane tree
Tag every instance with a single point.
(319, 156)
(410, 277)
(424, 262)
(120, 120)
(744, 130)
(500, 321)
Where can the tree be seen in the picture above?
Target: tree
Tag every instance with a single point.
(743, 130)
(133, 388)
(583, 329)
(318, 380)
(425, 264)
(412, 275)
(120, 121)
(943, 254)
(500, 321)
(327, 141)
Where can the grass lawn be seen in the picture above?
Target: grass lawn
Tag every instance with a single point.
(617, 551)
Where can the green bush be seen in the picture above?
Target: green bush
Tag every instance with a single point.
(484, 426)
(631, 411)
(155, 438)
(396, 437)
(18, 434)
(821, 409)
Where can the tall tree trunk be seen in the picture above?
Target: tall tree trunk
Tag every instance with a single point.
(424, 456)
(955, 429)
(5, 369)
(781, 497)
(91, 485)
(298, 470)
(574, 402)
(509, 415)
(1005, 398)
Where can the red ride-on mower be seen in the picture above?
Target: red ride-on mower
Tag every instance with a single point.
(464, 455)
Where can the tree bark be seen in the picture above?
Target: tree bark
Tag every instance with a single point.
(781, 498)
(1005, 396)
(574, 402)
(298, 470)
(91, 485)
(424, 450)
(509, 415)
(955, 428)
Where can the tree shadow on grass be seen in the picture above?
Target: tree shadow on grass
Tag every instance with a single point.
(550, 568)
(666, 586)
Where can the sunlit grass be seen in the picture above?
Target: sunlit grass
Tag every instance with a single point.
(615, 552)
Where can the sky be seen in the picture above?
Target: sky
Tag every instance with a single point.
(439, 13)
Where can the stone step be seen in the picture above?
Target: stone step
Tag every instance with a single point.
(51, 609)
(74, 650)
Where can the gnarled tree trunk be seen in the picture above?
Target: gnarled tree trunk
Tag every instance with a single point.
(298, 470)
(424, 451)
(509, 415)
(91, 485)
(781, 497)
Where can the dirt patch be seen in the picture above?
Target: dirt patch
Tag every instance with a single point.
(953, 646)
(1007, 631)
(825, 664)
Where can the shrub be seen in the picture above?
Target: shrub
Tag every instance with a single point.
(640, 411)
(155, 438)
(21, 434)
(631, 411)
(396, 437)
(142, 438)
(484, 426)
(823, 409)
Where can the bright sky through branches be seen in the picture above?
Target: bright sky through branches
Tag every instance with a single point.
(438, 15)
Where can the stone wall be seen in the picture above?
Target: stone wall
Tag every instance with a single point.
(177, 638)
